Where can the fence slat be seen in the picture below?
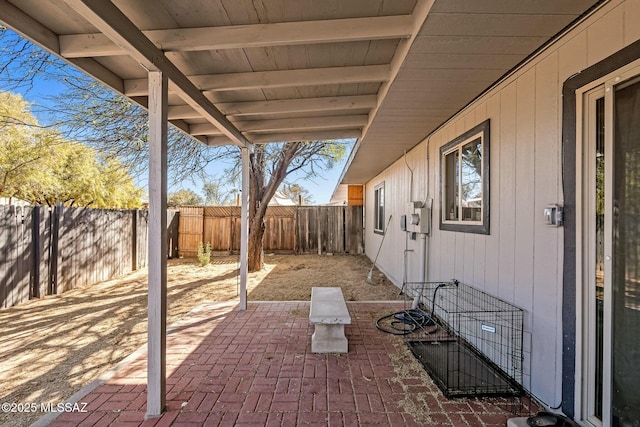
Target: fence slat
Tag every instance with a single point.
(5, 262)
(16, 263)
(173, 223)
(48, 251)
(298, 229)
(45, 249)
(34, 287)
(24, 255)
(354, 243)
(190, 230)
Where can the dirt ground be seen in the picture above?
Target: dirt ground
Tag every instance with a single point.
(52, 347)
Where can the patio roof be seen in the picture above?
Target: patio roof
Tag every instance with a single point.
(387, 72)
(245, 72)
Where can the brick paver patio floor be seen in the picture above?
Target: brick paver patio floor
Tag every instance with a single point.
(227, 367)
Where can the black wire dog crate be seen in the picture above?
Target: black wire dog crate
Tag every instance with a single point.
(471, 343)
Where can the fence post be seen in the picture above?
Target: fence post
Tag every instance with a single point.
(5, 240)
(52, 287)
(175, 221)
(134, 239)
(295, 230)
(343, 220)
(319, 230)
(35, 250)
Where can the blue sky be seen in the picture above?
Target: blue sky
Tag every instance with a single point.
(321, 187)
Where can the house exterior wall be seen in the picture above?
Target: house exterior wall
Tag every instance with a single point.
(397, 182)
(521, 260)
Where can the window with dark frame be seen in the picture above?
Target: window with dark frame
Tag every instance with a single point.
(464, 176)
(378, 221)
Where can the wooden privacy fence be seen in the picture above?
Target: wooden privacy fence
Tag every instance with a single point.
(297, 229)
(48, 251)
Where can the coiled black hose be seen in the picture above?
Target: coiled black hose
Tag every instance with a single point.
(407, 321)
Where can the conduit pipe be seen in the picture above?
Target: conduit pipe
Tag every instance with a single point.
(425, 237)
(406, 234)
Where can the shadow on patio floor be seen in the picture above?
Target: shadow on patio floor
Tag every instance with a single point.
(231, 368)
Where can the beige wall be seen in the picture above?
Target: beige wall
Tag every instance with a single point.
(521, 260)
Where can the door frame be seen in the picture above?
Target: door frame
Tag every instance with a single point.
(572, 302)
(602, 88)
(585, 239)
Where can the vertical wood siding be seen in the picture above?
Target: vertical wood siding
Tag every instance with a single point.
(521, 260)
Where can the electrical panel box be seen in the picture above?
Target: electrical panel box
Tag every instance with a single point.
(409, 225)
(403, 223)
(418, 217)
(425, 224)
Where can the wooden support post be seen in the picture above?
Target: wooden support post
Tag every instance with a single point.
(157, 327)
(244, 229)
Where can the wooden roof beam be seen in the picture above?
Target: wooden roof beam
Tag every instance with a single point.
(250, 108)
(291, 136)
(245, 36)
(286, 125)
(275, 79)
(333, 103)
(108, 19)
(33, 30)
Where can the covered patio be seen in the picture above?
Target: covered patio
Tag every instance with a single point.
(227, 367)
(386, 72)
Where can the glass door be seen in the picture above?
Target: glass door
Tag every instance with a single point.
(625, 322)
(611, 245)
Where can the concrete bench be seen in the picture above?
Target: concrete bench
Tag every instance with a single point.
(329, 314)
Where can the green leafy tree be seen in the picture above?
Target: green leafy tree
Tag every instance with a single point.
(24, 147)
(38, 165)
(119, 186)
(184, 198)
